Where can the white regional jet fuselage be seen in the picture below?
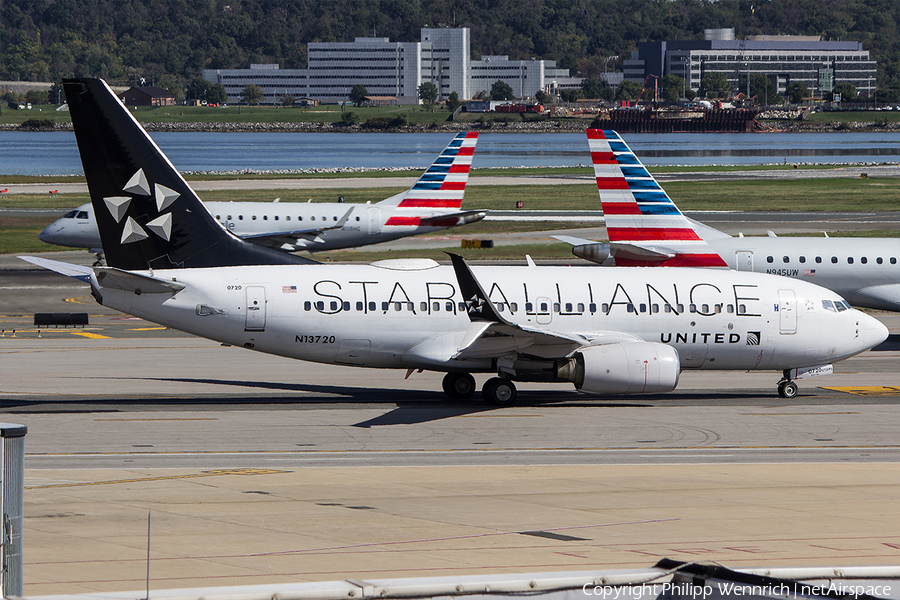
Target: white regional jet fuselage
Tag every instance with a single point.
(413, 316)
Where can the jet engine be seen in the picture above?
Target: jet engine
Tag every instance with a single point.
(623, 368)
(597, 252)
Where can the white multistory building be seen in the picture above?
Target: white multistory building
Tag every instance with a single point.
(396, 69)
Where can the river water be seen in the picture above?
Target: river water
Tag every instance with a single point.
(56, 153)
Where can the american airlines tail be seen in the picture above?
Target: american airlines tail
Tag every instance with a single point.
(147, 214)
(644, 226)
(444, 183)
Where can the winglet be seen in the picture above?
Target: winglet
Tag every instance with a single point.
(638, 211)
(478, 305)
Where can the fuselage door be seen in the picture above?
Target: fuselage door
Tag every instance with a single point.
(255, 319)
(374, 220)
(543, 310)
(787, 312)
(744, 260)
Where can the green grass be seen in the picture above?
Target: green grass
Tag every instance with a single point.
(242, 114)
(879, 116)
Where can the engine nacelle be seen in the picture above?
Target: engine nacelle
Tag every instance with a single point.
(597, 253)
(623, 368)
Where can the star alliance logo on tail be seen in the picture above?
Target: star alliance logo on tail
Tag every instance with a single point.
(475, 305)
(138, 186)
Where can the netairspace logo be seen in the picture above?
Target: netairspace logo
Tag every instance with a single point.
(727, 589)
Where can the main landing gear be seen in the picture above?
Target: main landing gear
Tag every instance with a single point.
(786, 387)
(498, 391)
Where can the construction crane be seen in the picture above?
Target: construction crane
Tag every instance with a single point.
(655, 89)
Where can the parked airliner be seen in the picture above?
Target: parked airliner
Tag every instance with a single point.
(645, 228)
(433, 203)
(608, 331)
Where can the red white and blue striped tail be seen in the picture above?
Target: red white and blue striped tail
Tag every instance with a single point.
(444, 183)
(644, 226)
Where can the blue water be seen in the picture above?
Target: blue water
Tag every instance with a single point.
(55, 153)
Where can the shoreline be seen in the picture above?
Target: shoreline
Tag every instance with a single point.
(574, 126)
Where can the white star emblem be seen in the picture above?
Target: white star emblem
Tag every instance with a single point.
(474, 305)
(138, 186)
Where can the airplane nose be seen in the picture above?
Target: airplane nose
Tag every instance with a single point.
(48, 234)
(875, 331)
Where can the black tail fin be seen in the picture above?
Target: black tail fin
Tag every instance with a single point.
(148, 216)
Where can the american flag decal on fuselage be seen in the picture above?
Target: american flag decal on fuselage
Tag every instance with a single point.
(639, 213)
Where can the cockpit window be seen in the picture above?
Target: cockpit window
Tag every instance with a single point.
(71, 214)
(841, 306)
(828, 305)
(82, 214)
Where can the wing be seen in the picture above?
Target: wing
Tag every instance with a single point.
(295, 239)
(491, 335)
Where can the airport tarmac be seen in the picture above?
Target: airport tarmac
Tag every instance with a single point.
(258, 469)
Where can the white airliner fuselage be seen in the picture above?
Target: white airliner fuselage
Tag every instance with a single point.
(411, 315)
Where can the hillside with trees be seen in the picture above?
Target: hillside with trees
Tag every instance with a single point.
(168, 42)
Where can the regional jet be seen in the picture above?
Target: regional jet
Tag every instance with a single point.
(433, 203)
(645, 228)
(607, 331)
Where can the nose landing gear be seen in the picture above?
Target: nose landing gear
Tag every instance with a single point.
(786, 387)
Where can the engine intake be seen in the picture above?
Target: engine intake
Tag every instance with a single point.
(623, 368)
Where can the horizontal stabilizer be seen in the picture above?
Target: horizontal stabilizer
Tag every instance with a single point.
(452, 220)
(69, 270)
(118, 279)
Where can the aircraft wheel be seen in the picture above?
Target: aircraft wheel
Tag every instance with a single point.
(459, 386)
(787, 389)
(499, 392)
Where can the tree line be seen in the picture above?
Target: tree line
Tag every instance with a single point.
(168, 42)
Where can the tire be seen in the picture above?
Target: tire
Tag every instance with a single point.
(788, 389)
(498, 391)
(459, 386)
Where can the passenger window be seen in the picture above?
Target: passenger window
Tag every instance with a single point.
(770, 259)
(544, 307)
(818, 260)
(462, 307)
(893, 260)
(345, 306)
(529, 307)
(398, 306)
(605, 308)
(435, 307)
(357, 218)
(729, 309)
(450, 307)
(276, 217)
(834, 260)
(311, 218)
(667, 308)
(423, 306)
(265, 217)
(499, 307)
(742, 309)
(372, 306)
(568, 307)
(513, 307)
(879, 260)
(218, 217)
(581, 307)
(360, 306)
(253, 217)
(592, 307)
(287, 218)
(320, 305)
(334, 305)
(629, 307)
(864, 260)
(849, 260)
(802, 259)
(299, 218)
(786, 259)
(556, 307)
(307, 305)
(411, 307)
(643, 308)
(705, 309)
(693, 308)
(385, 306)
(654, 308)
(681, 308)
(718, 308)
(240, 217)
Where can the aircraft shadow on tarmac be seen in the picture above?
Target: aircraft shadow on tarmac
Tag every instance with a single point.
(410, 407)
